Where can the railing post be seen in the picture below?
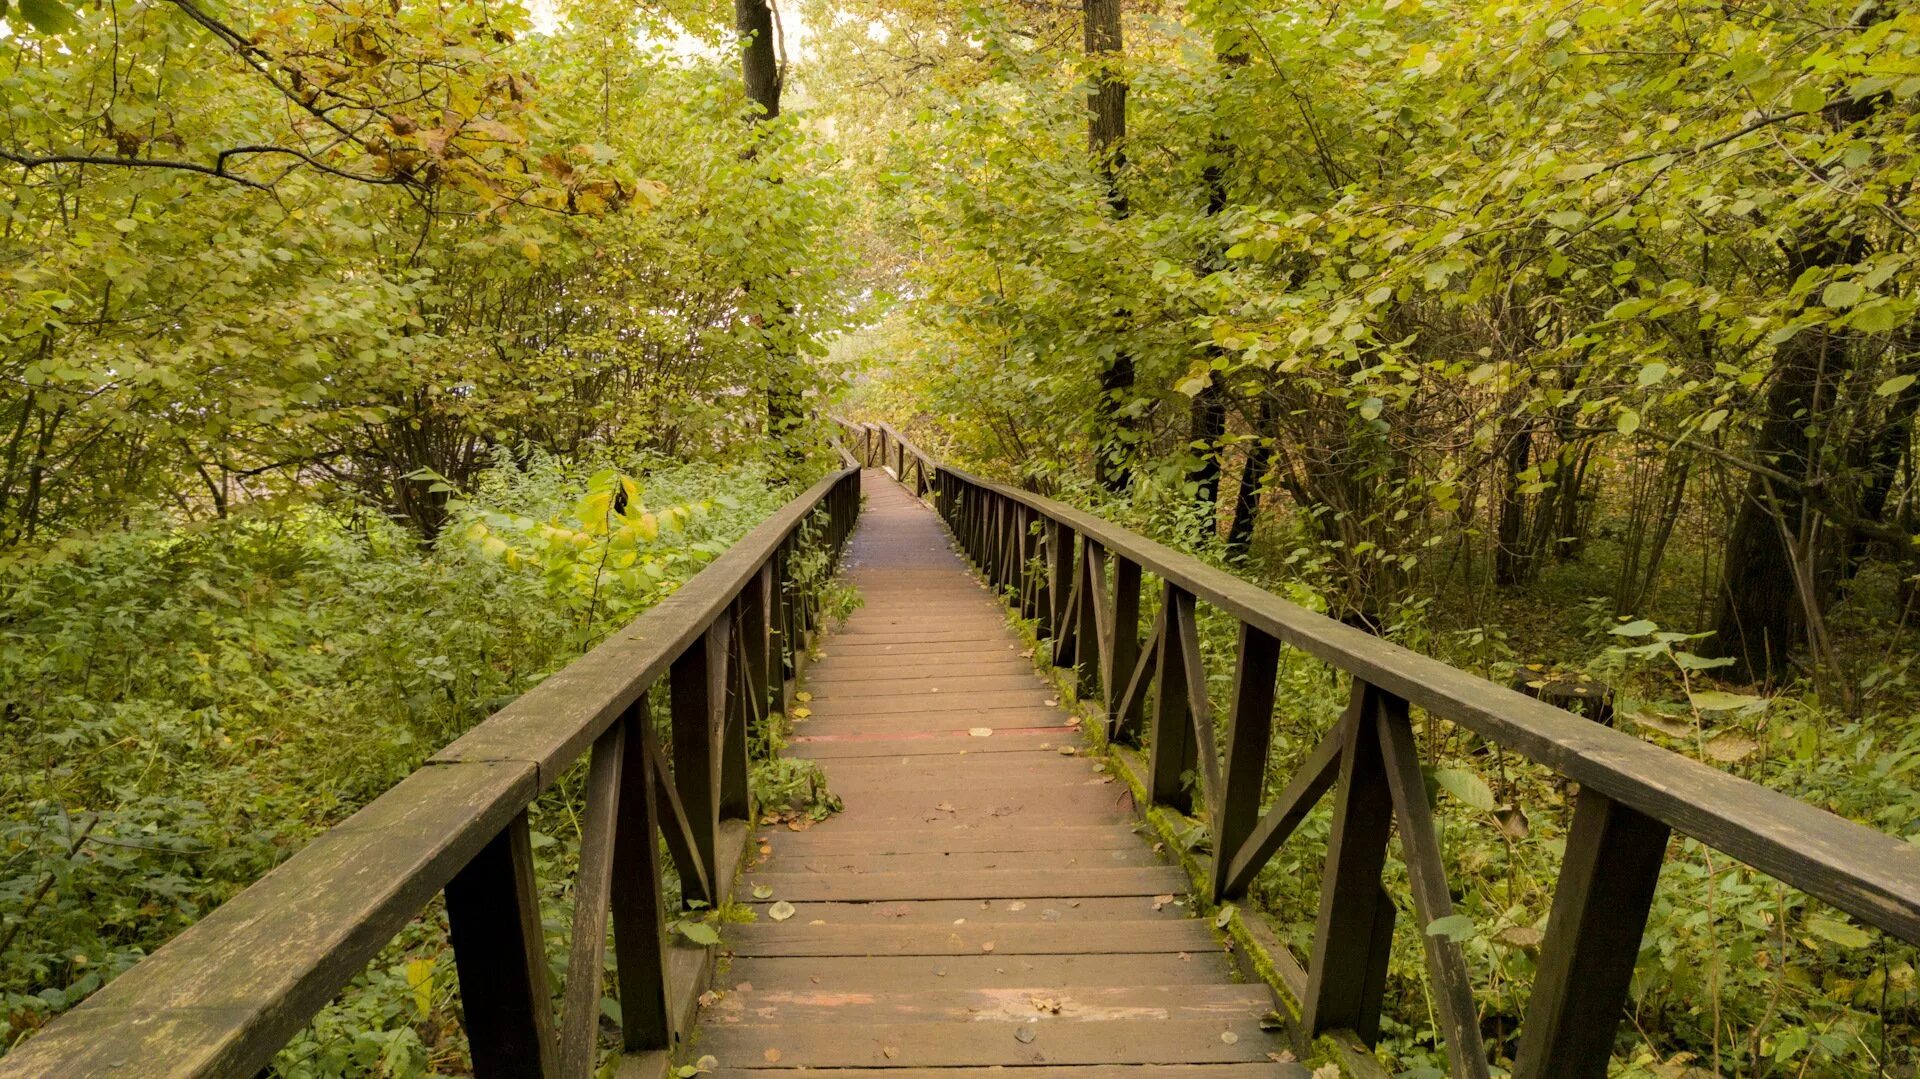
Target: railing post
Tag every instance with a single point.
(1172, 755)
(1600, 906)
(639, 903)
(499, 951)
(1033, 594)
(698, 691)
(735, 714)
(1083, 613)
(1354, 933)
(1058, 586)
(1249, 733)
(1122, 651)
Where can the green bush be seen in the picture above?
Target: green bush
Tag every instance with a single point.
(186, 706)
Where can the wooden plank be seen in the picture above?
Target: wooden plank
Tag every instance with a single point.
(1007, 884)
(829, 1045)
(938, 742)
(840, 654)
(1006, 838)
(1037, 909)
(909, 675)
(854, 694)
(844, 721)
(1041, 1072)
(973, 701)
(927, 973)
(493, 923)
(972, 938)
(1145, 1004)
(785, 860)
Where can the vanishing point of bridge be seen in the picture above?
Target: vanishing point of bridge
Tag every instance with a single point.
(989, 899)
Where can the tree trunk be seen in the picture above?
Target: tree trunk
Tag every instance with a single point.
(1510, 548)
(759, 60)
(1106, 134)
(1246, 503)
(1207, 417)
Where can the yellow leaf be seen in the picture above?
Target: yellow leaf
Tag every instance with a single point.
(420, 980)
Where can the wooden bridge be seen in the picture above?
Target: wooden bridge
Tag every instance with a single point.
(987, 898)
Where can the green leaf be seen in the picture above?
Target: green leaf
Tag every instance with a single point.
(1875, 316)
(1370, 408)
(1466, 786)
(1715, 700)
(1651, 374)
(1628, 421)
(1637, 628)
(1839, 932)
(1894, 385)
(47, 16)
(1842, 294)
(1454, 927)
(698, 932)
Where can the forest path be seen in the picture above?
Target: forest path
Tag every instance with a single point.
(983, 900)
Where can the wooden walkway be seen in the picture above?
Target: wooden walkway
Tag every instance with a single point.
(983, 900)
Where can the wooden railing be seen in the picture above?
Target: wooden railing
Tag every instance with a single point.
(223, 997)
(1079, 578)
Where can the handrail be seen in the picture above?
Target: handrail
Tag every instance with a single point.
(1078, 577)
(223, 997)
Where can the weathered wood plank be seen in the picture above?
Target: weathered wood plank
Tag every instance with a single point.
(830, 1045)
(1157, 1003)
(910, 974)
(1006, 884)
(784, 860)
(954, 840)
(1041, 1072)
(945, 912)
(973, 938)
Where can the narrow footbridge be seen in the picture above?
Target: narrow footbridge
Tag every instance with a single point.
(1047, 821)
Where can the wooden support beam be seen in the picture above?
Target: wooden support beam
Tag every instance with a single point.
(638, 904)
(1236, 807)
(1600, 906)
(592, 888)
(1354, 933)
(1172, 754)
(1448, 980)
(1121, 653)
(499, 952)
(698, 691)
(1313, 779)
